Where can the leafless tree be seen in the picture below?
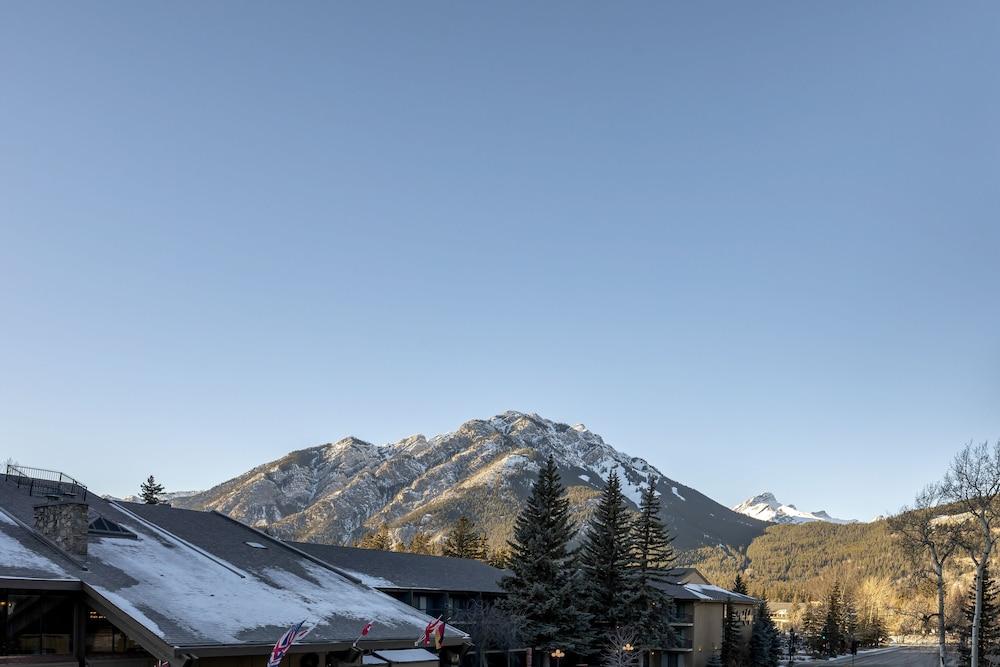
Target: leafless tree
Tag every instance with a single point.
(929, 539)
(973, 483)
(620, 649)
(488, 625)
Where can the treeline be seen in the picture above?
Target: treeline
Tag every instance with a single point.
(462, 540)
(799, 563)
(838, 625)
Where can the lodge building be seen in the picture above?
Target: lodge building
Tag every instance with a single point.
(88, 581)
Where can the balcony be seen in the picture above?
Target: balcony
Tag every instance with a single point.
(682, 617)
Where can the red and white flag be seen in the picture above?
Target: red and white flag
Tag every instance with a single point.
(365, 629)
(428, 631)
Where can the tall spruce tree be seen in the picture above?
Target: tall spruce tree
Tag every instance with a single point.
(849, 623)
(989, 630)
(463, 541)
(812, 629)
(607, 561)
(833, 638)
(543, 590)
(732, 638)
(150, 491)
(765, 642)
(739, 585)
(653, 557)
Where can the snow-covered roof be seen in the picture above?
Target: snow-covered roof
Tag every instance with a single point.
(22, 555)
(407, 655)
(710, 593)
(190, 579)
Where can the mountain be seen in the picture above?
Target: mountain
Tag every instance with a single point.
(767, 508)
(337, 492)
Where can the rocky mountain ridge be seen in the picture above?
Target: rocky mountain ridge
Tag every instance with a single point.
(336, 492)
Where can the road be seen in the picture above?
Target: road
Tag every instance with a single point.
(897, 657)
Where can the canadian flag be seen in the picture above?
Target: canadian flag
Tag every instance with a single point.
(428, 631)
(365, 629)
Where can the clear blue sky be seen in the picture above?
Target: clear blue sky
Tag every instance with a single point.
(754, 243)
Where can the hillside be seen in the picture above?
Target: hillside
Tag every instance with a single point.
(337, 492)
(800, 562)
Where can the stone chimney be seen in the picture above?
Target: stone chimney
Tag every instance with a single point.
(65, 523)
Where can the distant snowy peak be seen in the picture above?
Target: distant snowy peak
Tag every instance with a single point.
(767, 508)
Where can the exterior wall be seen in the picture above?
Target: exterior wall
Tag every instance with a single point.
(707, 631)
(707, 635)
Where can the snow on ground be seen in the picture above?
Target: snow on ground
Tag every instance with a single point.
(676, 493)
(585, 478)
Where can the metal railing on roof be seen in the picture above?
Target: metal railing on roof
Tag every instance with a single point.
(45, 483)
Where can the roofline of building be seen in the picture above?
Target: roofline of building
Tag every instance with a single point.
(296, 550)
(217, 650)
(28, 583)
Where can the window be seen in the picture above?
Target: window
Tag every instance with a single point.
(107, 527)
(36, 623)
(103, 637)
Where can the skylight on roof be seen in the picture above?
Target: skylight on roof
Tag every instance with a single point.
(103, 526)
(255, 545)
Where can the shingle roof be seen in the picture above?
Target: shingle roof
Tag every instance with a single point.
(191, 579)
(391, 570)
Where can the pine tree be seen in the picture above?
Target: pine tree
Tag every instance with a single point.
(872, 632)
(380, 539)
(462, 541)
(499, 557)
(812, 630)
(765, 642)
(833, 639)
(606, 560)
(420, 543)
(989, 630)
(732, 638)
(739, 585)
(652, 560)
(544, 588)
(849, 623)
(151, 492)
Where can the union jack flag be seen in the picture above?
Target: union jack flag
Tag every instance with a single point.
(285, 643)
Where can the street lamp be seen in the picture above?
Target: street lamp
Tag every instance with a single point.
(558, 655)
(628, 648)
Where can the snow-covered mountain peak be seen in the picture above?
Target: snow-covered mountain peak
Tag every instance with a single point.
(483, 469)
(766, 507)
